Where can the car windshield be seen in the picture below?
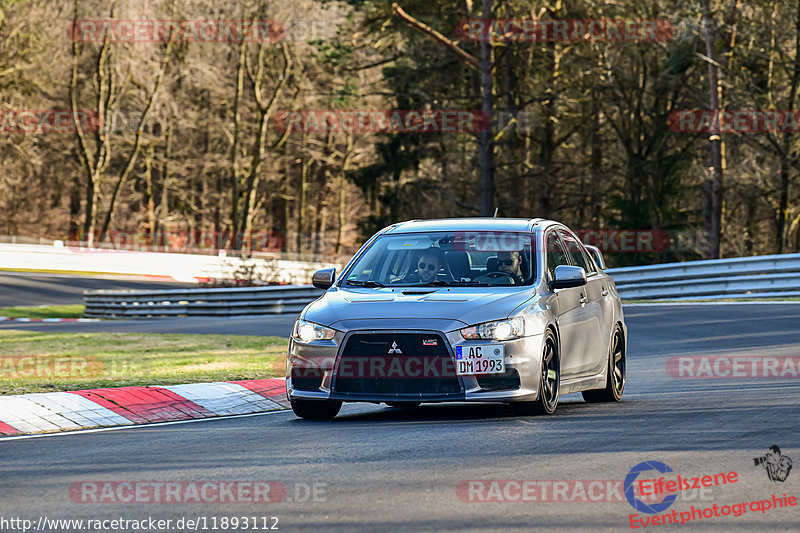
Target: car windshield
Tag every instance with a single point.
(487, 258)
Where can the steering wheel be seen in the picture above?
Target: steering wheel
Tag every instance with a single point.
(512, 280)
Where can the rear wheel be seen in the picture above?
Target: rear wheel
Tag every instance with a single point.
(615, 382)
(316, 409)
(547, 401)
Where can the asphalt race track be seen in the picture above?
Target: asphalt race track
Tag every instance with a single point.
(23, 288)
(381, 469)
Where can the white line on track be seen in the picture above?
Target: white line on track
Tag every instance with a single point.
(744, 387)
(661, 304)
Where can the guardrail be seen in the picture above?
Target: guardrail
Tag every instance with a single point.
(767, 276)
(286, 299)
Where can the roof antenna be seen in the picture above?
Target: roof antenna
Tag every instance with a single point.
(496, 209)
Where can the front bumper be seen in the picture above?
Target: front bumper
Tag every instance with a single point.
(312, 371)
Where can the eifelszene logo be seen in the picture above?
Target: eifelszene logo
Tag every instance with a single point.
(630, 484)
(777, 466)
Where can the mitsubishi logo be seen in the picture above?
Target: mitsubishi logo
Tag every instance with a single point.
(394, 348)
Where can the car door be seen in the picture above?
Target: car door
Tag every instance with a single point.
(607, 308)
(590, 316)
(567, 308)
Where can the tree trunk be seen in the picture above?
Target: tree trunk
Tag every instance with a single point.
(485, 142)
(266, 108)
(342, 211)
(151, 203)
(73, 232)
(302, 191)
(596, 172)
(547, 141)
(712, 208)
(137, 146)
(93, 162)
(237, 121)
(788, 154)
(251, 186)
(163, 205)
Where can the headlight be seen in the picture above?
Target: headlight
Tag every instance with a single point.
(500, 330)
(305, 331)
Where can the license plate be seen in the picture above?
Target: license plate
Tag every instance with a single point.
(480, 359)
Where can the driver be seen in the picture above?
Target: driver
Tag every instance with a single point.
(428, 265)
(511, 263)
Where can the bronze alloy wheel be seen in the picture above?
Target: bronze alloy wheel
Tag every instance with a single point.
(547, 401)
(615, 382)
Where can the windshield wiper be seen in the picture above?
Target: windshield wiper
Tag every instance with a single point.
(369, 284)
(443, 283)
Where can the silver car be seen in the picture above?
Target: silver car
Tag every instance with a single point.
(461, 310)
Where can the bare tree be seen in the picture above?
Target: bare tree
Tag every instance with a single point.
(712, 209)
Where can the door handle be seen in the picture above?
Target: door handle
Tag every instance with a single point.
(604, 292)
(583, 299)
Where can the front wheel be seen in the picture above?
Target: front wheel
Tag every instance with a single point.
(316, 409)
(547, 401)
(615, 382)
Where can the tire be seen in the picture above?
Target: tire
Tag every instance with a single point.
(406, 405)
(547, 400)
(615, 379)
(316, 409)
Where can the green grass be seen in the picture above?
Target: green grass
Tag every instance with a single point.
(44, 311)
(75, 361)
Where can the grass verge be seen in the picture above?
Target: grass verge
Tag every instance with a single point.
(47, 362)
(43, 311)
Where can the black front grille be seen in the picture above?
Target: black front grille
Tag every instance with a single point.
(419, 363)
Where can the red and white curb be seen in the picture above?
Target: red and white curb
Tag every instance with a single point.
(63, 411)
(48, 320)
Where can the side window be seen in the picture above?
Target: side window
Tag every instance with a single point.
(575, 250)
(555, 254)
(589, 261)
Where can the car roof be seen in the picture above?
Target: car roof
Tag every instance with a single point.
(465, 224)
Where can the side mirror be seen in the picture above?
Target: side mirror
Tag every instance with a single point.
(323, 279)
(569, 276)
(597, 255)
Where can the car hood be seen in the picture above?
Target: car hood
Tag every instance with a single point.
(468, 305)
